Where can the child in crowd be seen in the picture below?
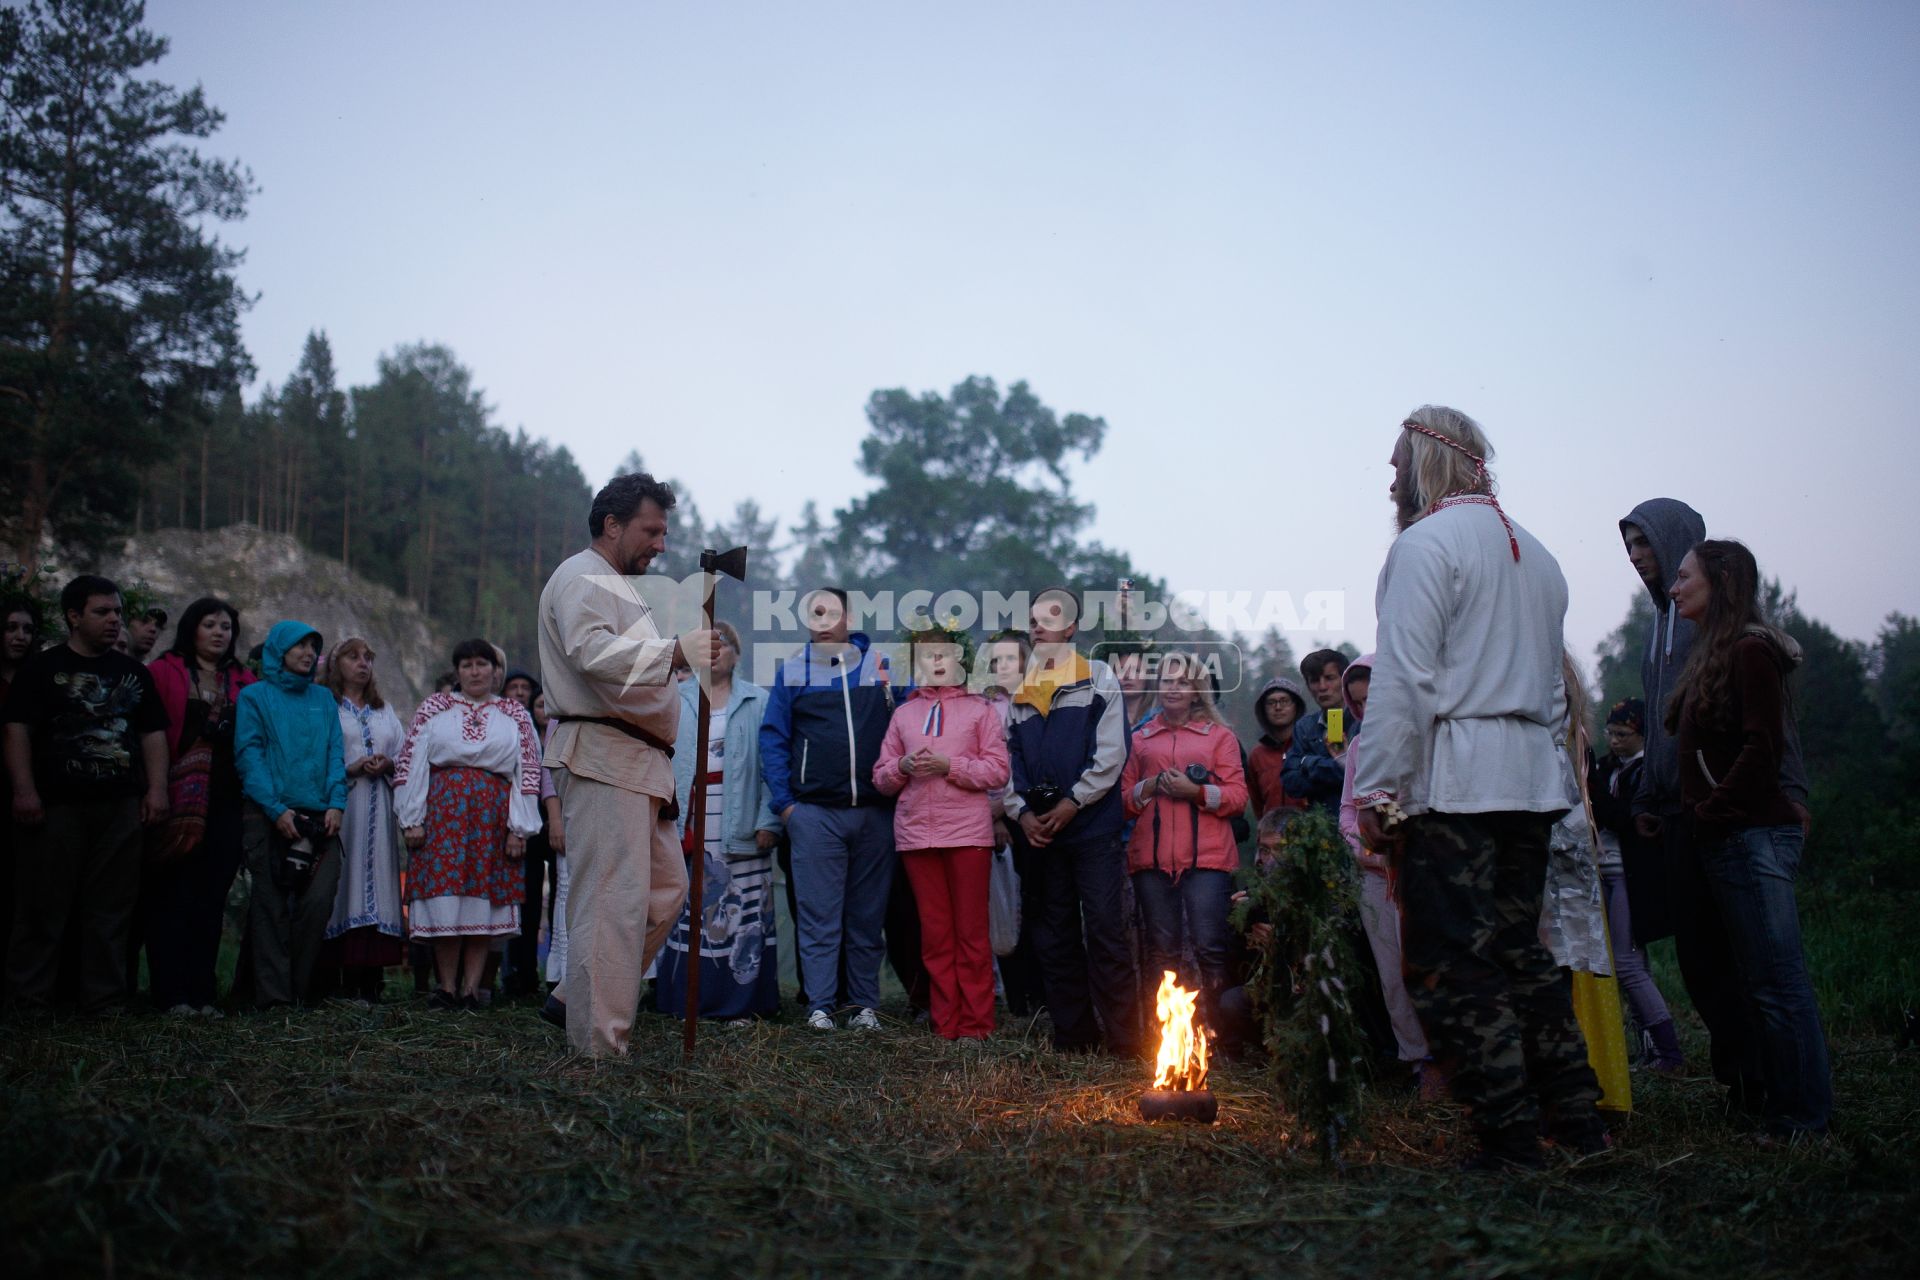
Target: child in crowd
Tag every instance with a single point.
(944, 751)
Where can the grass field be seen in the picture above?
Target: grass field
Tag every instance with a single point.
(346, 1141)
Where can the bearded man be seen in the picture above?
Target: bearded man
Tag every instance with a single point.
(1462, 781)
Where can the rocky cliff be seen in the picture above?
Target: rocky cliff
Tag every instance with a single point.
(267, 577)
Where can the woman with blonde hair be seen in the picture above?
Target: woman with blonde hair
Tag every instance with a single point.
(366, 932)
(1183, 785)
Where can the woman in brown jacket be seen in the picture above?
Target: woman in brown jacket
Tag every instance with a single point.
(1729, 713)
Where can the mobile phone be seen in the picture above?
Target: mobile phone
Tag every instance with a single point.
(1336, 726)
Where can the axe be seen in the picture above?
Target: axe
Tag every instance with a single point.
(712, 563)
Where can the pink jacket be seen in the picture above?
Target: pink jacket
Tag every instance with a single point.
(1168, 843)
(1349, 812)
(175, 685)
(950, 812)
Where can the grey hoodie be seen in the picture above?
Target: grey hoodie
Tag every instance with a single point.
(1672, 528)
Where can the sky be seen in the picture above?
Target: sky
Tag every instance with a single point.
(1655, 249)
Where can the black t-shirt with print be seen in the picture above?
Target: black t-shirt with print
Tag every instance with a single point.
(86, 717)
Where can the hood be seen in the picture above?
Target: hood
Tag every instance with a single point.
(283, 637)
(1292, 688)
(1672, 527)
(1785, 647)
(1360, 666)
(858, 639)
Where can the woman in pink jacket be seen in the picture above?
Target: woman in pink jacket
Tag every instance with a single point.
(944, 751)
(1183, 786)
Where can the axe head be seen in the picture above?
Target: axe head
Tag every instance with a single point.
(732, 563)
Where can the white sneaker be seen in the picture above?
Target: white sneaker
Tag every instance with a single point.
(866, 1020)
(821, 1020)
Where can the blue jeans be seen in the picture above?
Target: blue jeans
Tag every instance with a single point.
(842, 873)
(1192, 909)
(1750, 876)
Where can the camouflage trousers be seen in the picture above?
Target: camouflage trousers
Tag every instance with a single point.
(1496, 1008)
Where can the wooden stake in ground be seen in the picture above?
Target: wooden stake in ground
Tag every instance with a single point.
(734, 564)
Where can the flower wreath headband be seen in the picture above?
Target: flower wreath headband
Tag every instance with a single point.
(1480, 471)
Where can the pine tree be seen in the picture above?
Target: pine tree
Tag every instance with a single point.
(119, 309)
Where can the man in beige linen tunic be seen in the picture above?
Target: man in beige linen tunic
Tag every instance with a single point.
(603, 660)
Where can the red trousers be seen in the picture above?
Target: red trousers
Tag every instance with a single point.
(950, 886)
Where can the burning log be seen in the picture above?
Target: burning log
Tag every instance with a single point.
(1180, 1072)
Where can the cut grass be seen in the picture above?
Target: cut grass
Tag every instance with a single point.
(347, 1141)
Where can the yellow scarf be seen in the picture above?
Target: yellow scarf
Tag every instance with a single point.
(1039, 687)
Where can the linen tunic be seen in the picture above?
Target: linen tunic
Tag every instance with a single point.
(369, 893)
(1467, 700)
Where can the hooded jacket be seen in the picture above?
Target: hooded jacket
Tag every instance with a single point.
(1265, 785)
(286, 743)
(1672, 528)
(949, 811)
(826, 716)
(1176, 836)
(1730, 771)
(1349, 813)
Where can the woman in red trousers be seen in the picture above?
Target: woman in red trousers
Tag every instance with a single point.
(943, 752)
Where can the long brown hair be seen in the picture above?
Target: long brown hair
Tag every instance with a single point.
(1733, 610)
(337, 681)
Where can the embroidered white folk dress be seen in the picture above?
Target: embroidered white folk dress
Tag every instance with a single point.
(369, 893)
(469, 774)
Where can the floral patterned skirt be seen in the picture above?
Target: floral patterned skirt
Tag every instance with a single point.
(465, 852)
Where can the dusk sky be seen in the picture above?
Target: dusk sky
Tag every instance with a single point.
(1660, 249)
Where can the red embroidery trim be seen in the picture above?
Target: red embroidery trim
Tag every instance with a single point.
(1480, 470)
(473, 728)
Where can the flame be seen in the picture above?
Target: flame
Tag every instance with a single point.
(1182, 1063)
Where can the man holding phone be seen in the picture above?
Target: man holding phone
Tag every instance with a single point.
(1313, 770)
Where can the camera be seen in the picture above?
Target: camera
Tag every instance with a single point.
(300, 858)
(1043, 798)
(1199, 775)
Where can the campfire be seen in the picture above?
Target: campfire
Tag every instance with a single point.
(1180, 1073)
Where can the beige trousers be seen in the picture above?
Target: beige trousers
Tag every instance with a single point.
(626, 884)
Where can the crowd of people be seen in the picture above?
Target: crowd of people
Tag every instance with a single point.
(516, 816)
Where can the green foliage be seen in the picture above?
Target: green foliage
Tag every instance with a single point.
(364, 1141)
(973, 495)
(38, 586)
(1618, 674)
(1317, 1053)
(119, 309)
(1896, 689)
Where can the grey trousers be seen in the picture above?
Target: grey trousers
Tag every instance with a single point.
(284, 929)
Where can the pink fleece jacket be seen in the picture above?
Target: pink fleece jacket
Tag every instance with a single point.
(1168, 843)
(950, 811)
(174, 682)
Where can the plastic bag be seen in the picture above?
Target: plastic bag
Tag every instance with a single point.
(1003, 904)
